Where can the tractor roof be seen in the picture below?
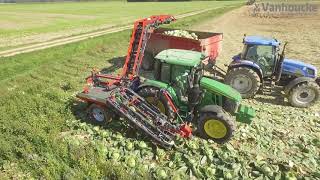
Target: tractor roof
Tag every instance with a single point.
(259, 40)
(180, 57)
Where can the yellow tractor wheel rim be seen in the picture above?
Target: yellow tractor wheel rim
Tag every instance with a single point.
(157, 103)
(215, 129)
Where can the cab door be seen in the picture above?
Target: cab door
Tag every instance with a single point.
(264, 56)
(179, 81)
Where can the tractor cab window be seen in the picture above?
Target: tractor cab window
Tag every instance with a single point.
(170, 73)
(165, 72)
(263, 56)
(177, 76)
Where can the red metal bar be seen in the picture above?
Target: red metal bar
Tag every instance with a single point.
(135, 51)
(153, 21)
(139, 54)
(170, 101)
(108, 76)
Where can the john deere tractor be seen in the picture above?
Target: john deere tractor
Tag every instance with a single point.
(262, 67)
(182, 92)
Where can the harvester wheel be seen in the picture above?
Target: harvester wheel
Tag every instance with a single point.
(148, 61)
(304, 94)
(152, 96)
(98, 114)
(218, 126)
(245, 80)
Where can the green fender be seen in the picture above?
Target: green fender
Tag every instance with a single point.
(216, 87)
(161, 85)
(244, 113)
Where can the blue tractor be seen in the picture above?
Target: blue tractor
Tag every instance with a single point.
(261, 67)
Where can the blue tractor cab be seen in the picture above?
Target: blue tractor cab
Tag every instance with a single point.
(262, 66)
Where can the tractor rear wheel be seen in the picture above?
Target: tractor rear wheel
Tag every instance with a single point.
(153, 96)
(216, 125)
(245, 80)
(98, 114)
(304, 94)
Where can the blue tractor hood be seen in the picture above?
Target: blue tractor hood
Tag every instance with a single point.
(298, 68)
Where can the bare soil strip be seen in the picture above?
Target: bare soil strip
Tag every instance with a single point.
(62, 41)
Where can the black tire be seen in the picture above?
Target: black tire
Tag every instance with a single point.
(93, 113)
(148, 62)
(220, 117)
(247, 74)
(151, 92)
(304, 94)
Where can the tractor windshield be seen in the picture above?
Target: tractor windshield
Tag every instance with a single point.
(262, 55)
(255, 52)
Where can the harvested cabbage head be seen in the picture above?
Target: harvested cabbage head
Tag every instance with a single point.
(182, 33)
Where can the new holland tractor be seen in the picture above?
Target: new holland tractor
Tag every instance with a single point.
(262, 67)
(179, 83)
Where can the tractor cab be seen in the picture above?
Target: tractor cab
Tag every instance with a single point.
(263, 52)
(174, 67)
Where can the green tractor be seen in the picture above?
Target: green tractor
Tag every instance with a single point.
(179, 81)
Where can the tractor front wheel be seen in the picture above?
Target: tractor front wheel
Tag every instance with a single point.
(153, 96)
(304, 94)
(98, 114)
(218, 126)
(245, 80)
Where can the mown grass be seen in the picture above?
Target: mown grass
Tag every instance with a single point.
(37, 104)
(43, 21)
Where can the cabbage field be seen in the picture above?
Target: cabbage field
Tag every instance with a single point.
(44, 132)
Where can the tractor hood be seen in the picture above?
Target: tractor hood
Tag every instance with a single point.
(299, 68)
(180, 57)
(220, 88)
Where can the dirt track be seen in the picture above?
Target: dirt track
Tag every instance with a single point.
(302, 33)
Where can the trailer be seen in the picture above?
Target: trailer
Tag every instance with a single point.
(208, 43)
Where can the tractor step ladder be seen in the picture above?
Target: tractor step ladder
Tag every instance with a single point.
(268, 86)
